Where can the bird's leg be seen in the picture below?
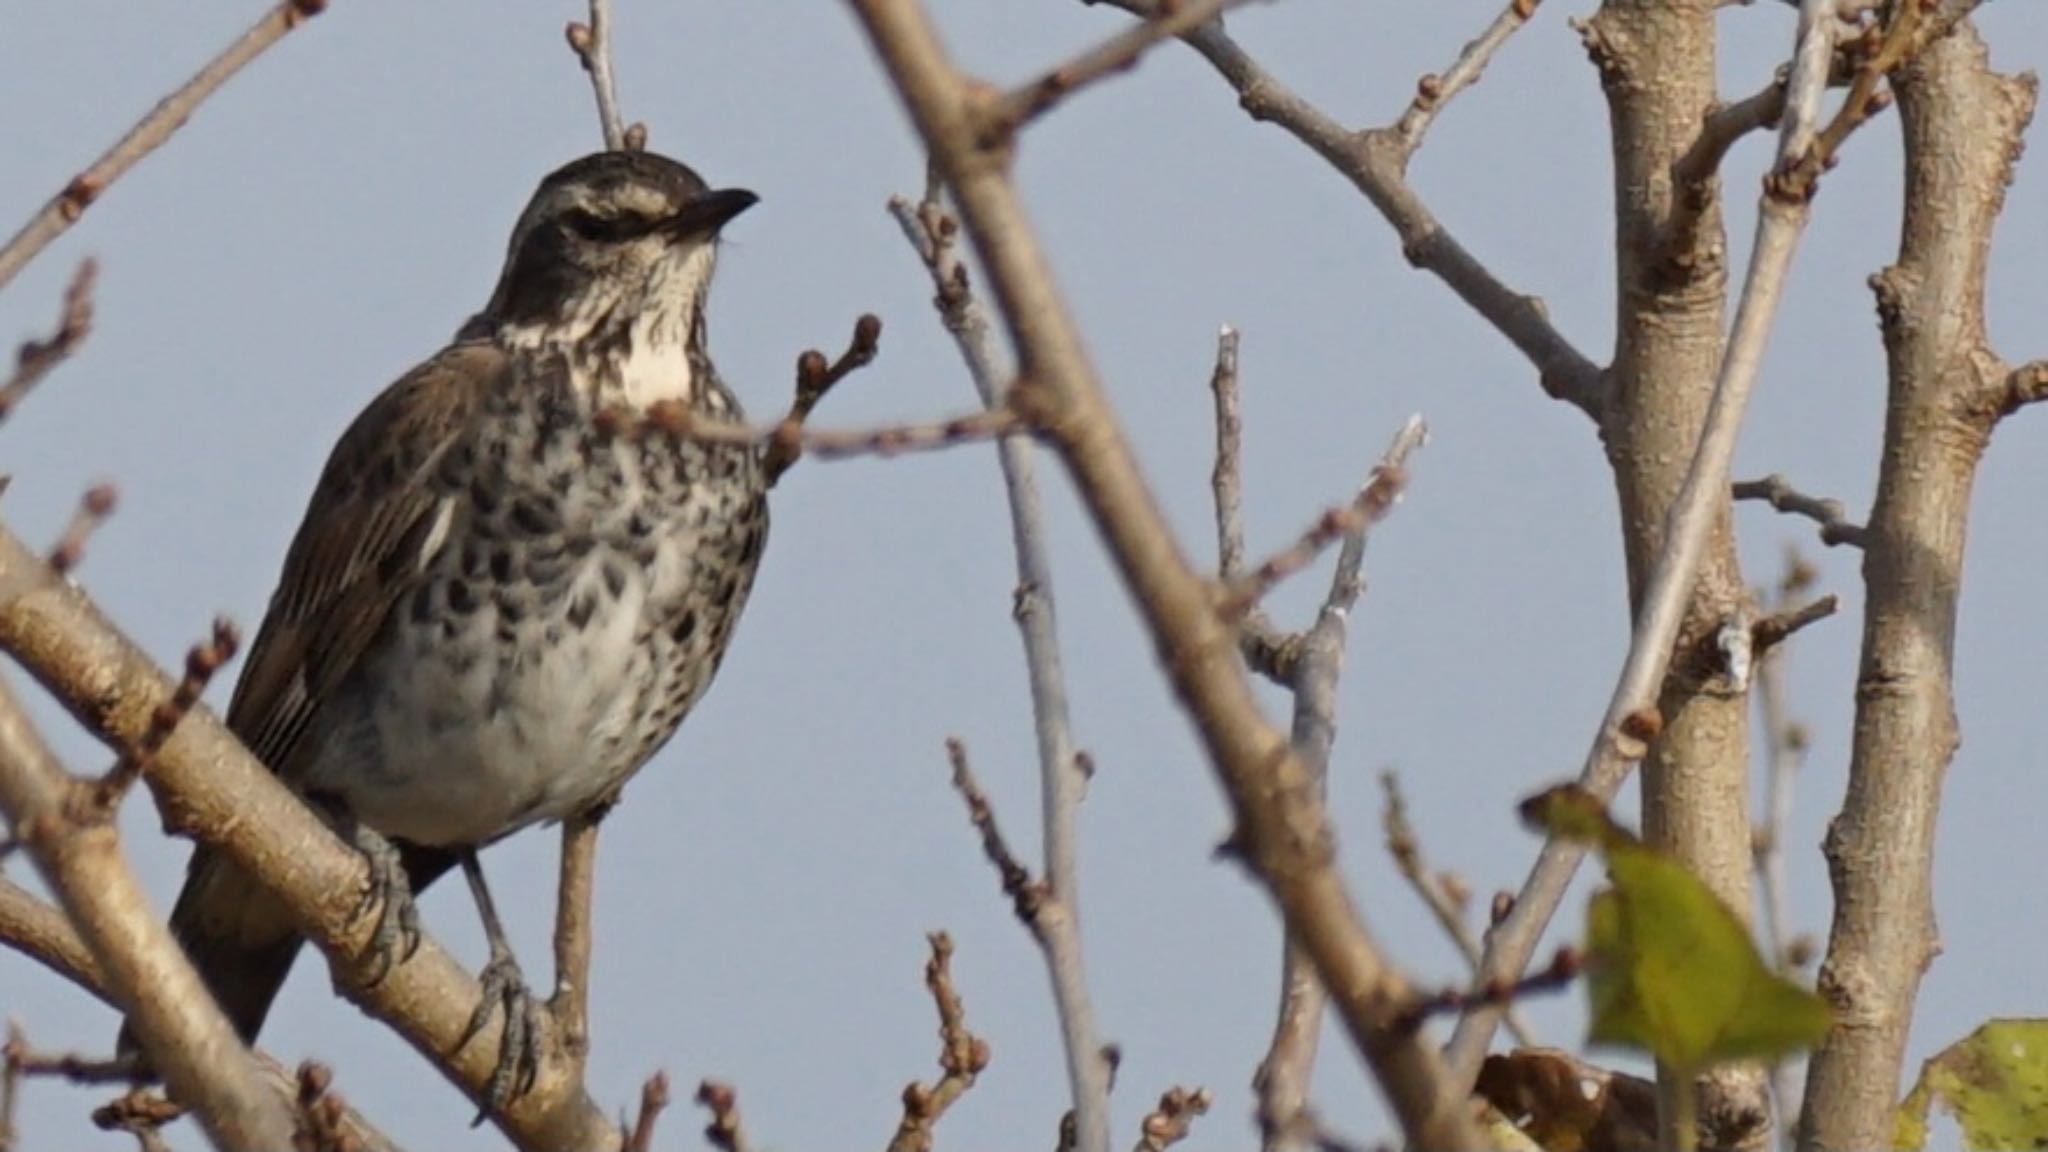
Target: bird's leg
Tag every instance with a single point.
(503, 984)
(570, 1003)
(389, 894)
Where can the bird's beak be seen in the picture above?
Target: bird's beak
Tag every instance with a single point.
(706, 214)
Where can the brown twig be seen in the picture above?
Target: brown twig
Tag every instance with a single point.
(1170, 1122)
(1282, 832)
(320, 1113)
(724, 1131)
(93, 509)
(1433, 92)
(1375, 162)
(671, 418)
(10, 1085)
(1778, 627)
(1797, 177)
(1445, 904)
(592, 44)
(962, 1056)
(1266, 649)
(654, 1099)
(1063, 770)
(1829, 513)
(170, 113)
(574, 933)
(1374, 500)
(2024, 385)
(202, 660)
(1119, 53)
(814, 378)
(37, 357)
(1026, 894)
(1564, 967)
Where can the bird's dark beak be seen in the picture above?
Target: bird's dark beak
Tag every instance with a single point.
(706, 214)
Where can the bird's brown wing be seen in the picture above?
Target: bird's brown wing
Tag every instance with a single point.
(374, 520)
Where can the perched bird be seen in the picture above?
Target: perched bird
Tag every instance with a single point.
(501, 603)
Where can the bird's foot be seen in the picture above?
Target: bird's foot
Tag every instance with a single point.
(519, 1047)
(389, 897)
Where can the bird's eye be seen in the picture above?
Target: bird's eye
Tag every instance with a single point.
(603, 229)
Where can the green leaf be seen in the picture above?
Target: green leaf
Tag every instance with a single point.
(1993, 1081)
(1672, 970)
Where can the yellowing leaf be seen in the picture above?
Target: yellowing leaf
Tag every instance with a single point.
(1993, 1081)
(1672, 970)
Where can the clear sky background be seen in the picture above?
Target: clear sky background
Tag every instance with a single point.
(764, 891)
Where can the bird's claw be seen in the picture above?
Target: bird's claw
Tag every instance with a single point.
(389, 897)
(519, 1046)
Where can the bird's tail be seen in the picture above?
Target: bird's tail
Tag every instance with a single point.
(239, 938)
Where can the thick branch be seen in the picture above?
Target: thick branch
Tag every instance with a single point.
(1283, 832)
(206, 784)
(1963, 125)
(183, 1030)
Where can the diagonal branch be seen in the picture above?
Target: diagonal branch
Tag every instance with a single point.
(37, 357)
(1376, 163)
(1829, 513)
(1283, 830)
(207, 785)
(1035, 98)
(170, 114)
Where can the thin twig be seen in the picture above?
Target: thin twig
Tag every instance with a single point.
(1447, 906)
(1778, 627)
(1829, 513)
(724, 1131)
(1375, 161)
(37, 357)
(672, 418)
(1170, 1122)
(1026, 895)
(654, 1099)
(814, 378)
(202, 660)
(93, 509)
(1268, 651)
(170, 113)
(1036, 97)
(1433, 92)
(1564, 967)
(1062, 781)
(962, 1056)
(592, 44)
(1375, 499)
(1785, 742)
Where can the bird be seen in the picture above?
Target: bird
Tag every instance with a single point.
(502, 601)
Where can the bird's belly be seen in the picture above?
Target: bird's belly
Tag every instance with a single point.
(512, 714)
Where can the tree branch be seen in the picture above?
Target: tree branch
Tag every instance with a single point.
(1057, 923)
(207, 785)
(592, 44)
(1376, 163)
(1833, 518)
(1283, 832)
(170, 114)
(37, 357)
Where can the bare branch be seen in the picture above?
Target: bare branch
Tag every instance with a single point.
(1282, 832)
(37, 357)
(1056, 924)
(1434, 92)
(1785, 742)
(1120, 52)
(1833, 518)
(719, 1099)
(93, 509)
(207, 785)
(201, 662)
(2022, 386)
(814, 378)
(1375, 162)
(1170, 1122)
(1447, 906)
(592, 44)
(1778, 627)
(181, 1027)
(1690, 523)
(1381, 491)
(672, 418)
(962, 1056)
(1265, 648)
(170, 114)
